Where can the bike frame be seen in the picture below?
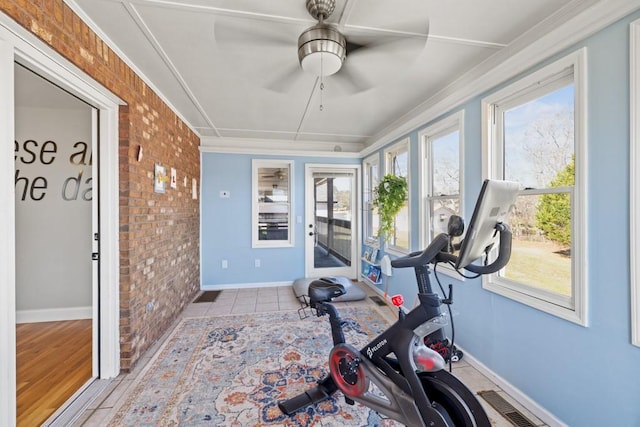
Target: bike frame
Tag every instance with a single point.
(406, 400)
(432, 396)
(404, 397)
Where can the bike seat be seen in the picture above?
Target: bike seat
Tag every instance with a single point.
(324, 290)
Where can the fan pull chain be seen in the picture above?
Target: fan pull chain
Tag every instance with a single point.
(321, 78)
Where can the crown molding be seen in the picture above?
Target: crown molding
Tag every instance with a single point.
(282, 147)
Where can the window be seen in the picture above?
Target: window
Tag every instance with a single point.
(397, 163)
(440, 175)
(272, 189)
(534, 136)
(371, 218)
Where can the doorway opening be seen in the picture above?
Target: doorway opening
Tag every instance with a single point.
(56, 232)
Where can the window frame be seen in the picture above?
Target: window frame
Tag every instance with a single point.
(541, 82)
(371, 237)
(257, 164)
(389, 153)
(446, 126)
(634, 177)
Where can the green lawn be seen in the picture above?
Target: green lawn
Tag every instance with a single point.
(537, 264)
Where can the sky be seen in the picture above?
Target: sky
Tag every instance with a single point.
(529, 158)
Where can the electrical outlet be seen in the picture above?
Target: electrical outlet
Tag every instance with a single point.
(225, 264)
(257, 262)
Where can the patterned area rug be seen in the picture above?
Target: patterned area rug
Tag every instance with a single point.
(233, 370)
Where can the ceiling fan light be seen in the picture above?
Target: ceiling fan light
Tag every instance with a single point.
(321, 63)
(321, 50)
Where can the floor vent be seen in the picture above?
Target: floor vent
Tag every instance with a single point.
(208, 296)
(378, 300)
(506, 409)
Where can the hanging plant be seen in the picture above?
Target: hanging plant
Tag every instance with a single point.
(390, 196)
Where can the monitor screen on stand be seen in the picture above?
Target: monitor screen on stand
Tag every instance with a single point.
(493, 206)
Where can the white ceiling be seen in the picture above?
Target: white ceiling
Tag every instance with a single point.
(230, 67)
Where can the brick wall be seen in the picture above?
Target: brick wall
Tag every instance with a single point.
(159, 233)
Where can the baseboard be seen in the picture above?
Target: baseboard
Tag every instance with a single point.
(531, 405)
(54, 314)
(223, 286)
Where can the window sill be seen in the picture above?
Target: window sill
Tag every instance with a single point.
(572, 315)
(396, 251)
(272, 244)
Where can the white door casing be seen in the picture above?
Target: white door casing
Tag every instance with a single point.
(19, 45)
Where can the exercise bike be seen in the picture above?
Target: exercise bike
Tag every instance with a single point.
(412, 387)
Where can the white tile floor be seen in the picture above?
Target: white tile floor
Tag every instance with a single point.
(254, 300)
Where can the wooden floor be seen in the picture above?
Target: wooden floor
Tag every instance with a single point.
(53, 362)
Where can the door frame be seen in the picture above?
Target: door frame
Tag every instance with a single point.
(309, 169)
(18, 44)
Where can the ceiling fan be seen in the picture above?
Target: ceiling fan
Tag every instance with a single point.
(321, 48)
(278, 175)
(324, 51)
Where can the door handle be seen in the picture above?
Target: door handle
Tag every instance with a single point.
(314, 232)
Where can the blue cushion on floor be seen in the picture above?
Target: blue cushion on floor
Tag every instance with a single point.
(354, 293)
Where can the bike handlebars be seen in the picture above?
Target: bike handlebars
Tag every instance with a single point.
(435, 253)
(416, 259)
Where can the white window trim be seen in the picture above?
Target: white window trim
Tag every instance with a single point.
(634, 184)
(492, 169)
(368, 162)
(270, 163)
(455, 122)
(388, 168)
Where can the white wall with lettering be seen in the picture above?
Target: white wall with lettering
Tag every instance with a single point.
(53, 188)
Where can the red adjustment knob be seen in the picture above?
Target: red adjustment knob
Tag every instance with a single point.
(397, 300)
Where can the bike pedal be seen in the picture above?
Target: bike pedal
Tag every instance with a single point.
(349, 401)
(302, 313)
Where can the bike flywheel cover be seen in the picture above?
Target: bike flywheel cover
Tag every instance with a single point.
(347, 371)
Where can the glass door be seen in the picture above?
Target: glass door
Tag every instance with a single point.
(331, 221)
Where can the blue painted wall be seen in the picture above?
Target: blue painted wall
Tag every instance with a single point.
(226, 222)
(584, 376)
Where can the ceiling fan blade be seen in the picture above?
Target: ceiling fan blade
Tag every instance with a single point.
(348, 81)
(390, 41)
(392, 45)
(248, 33)
(352, 47)
(286, 79)
(384, 58)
